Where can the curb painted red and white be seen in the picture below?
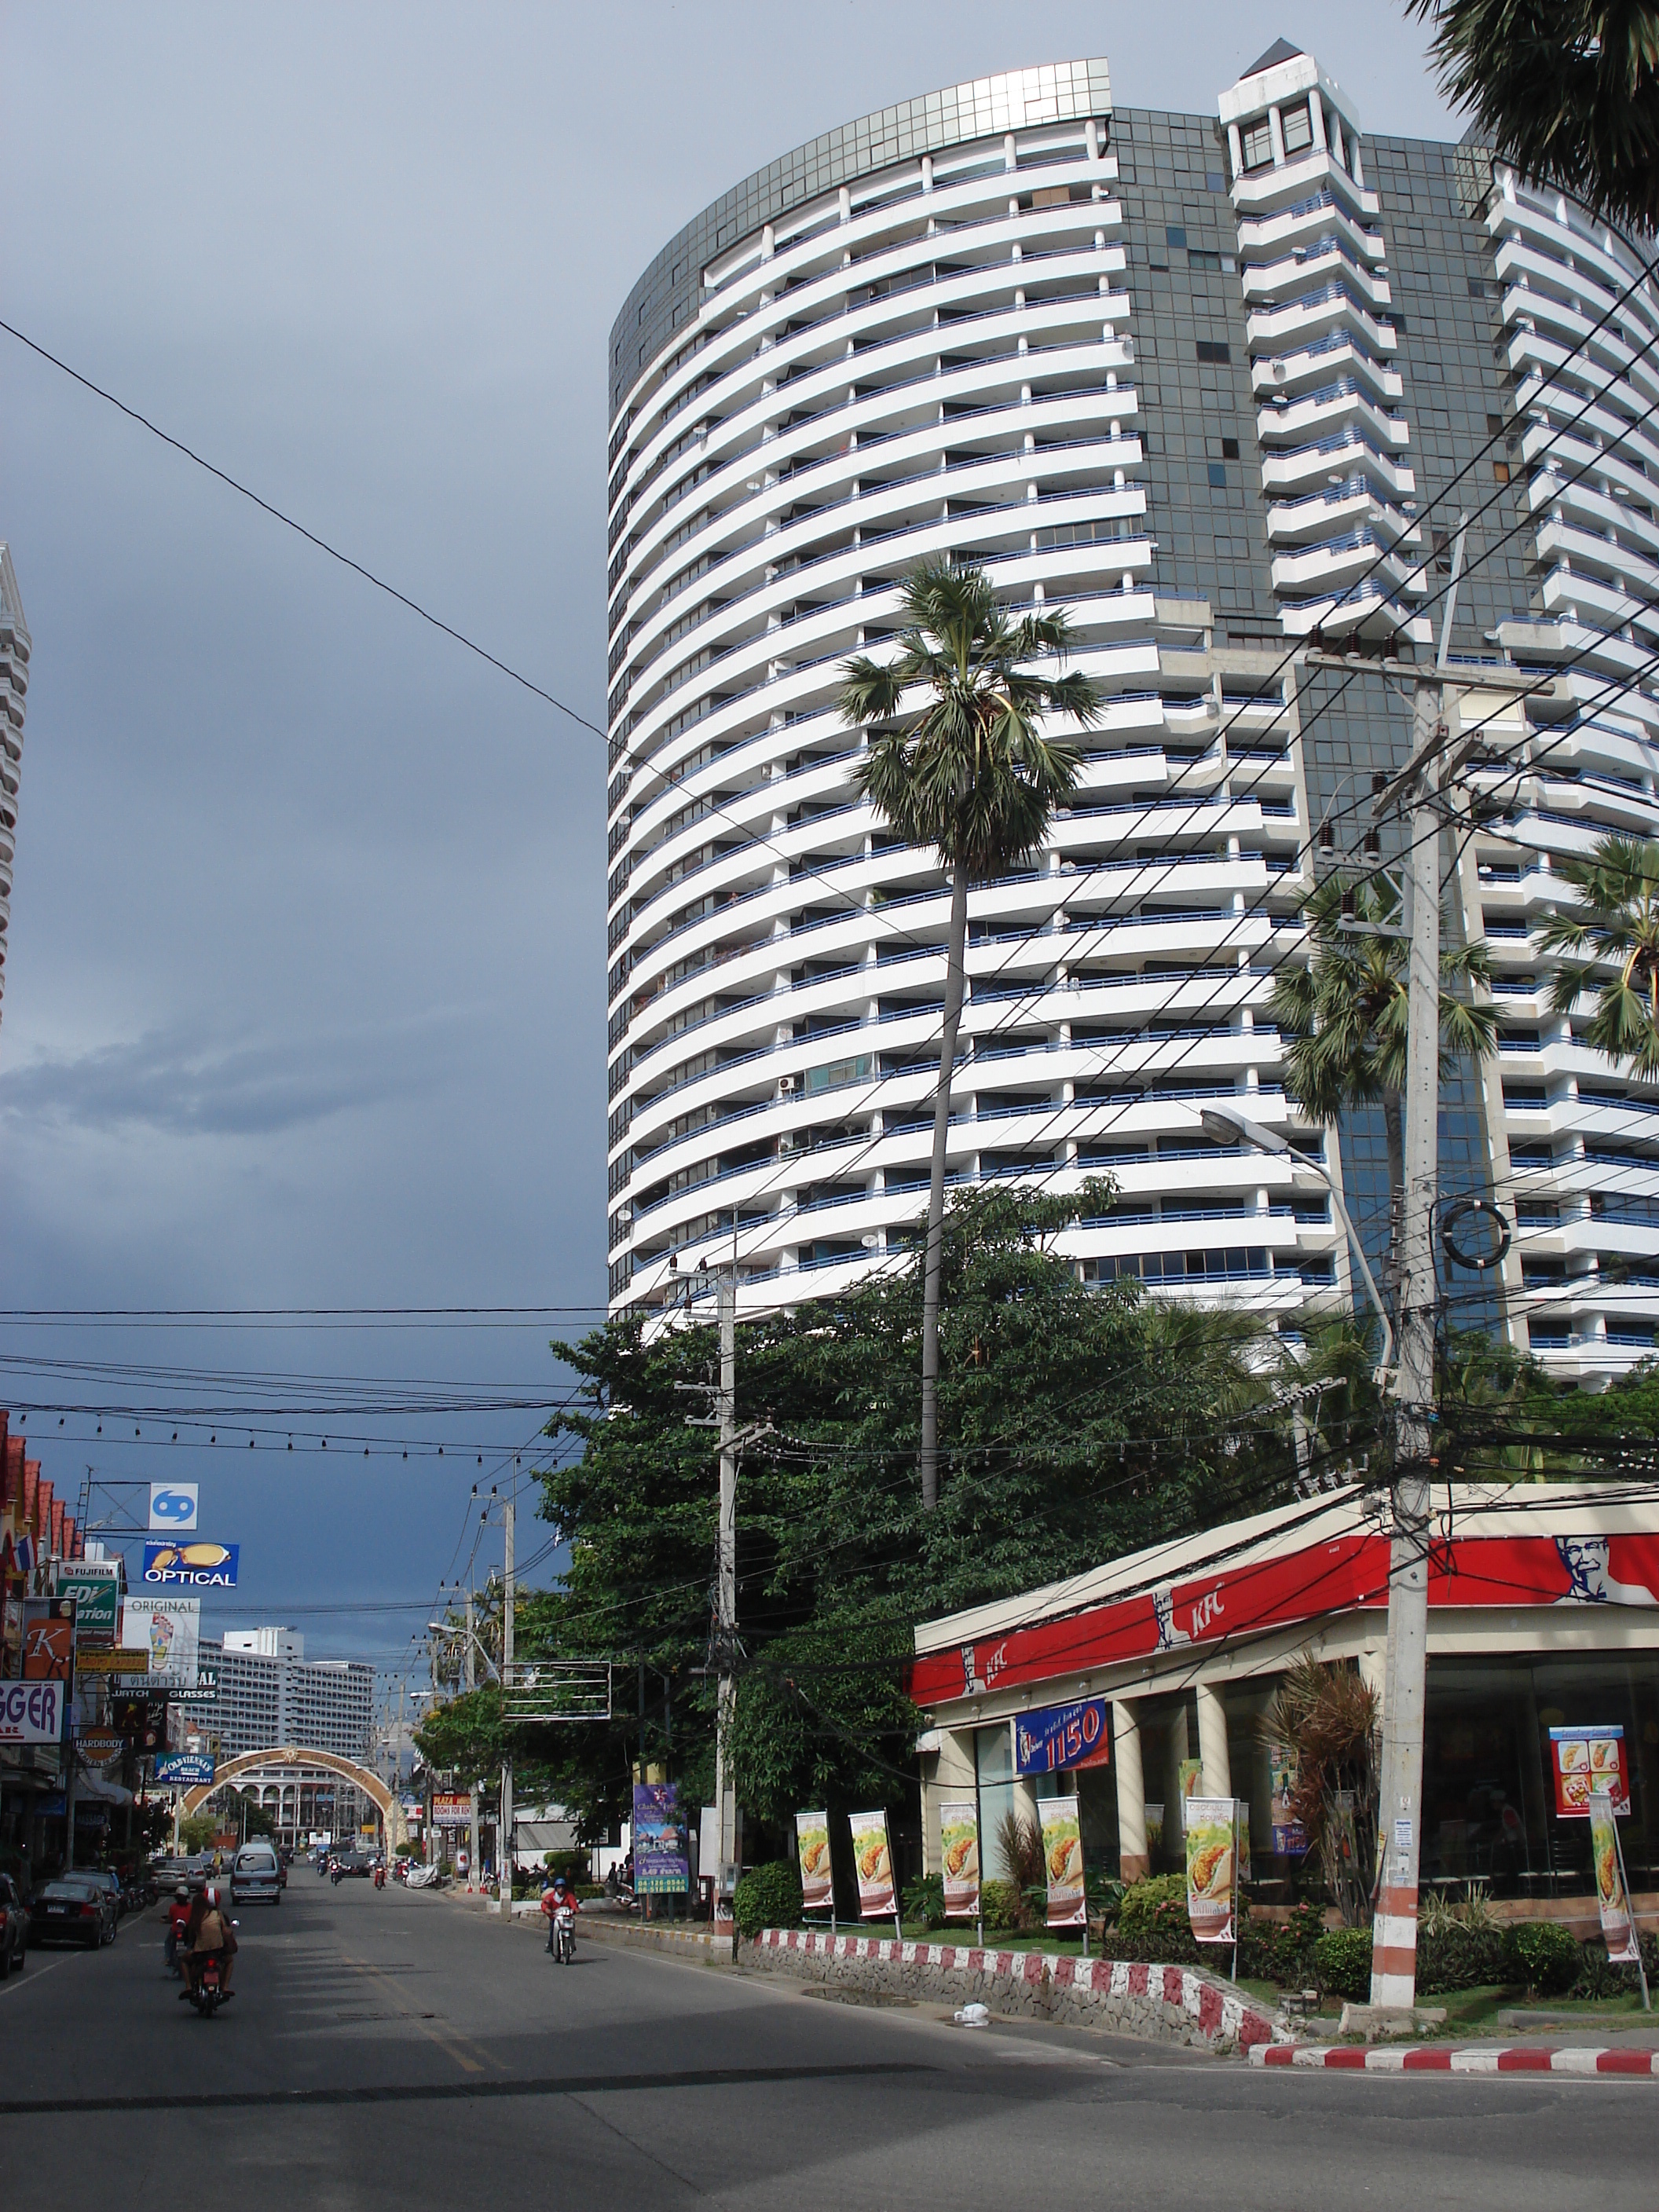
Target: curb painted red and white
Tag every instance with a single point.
(1219, 2015)
(1452, 2058)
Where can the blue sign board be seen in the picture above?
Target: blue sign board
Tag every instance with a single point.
(662, 1864)
(1060, 1739)
(189, 1769)
(192, 1565)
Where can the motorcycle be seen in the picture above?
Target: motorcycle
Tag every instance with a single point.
(379, 1877)
(209, 1993)
(564, 1946)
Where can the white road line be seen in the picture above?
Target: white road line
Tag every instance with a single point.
(25, 1980)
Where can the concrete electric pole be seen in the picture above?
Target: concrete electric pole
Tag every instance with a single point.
(726, 1794)
(1435, 751)
(504, 1844)
(472, 1788)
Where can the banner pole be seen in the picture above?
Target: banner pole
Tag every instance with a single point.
(1635, 1924)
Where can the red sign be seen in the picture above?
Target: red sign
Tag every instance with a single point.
(1345, 1574)
(49, 1639)
(1586, 1760)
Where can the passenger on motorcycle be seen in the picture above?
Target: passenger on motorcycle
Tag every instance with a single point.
(177, 1914)
(210, 1933)
(558, 1894)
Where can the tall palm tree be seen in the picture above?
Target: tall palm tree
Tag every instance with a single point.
(1346, 1010)
(963, 766)
(1618, 926)
(1566, 91)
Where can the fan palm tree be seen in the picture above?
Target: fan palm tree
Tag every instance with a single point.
(963, 766)
(1618, 926)
(1345, 1010)
(1566, 92)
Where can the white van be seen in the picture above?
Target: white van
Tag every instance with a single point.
(256, 1875)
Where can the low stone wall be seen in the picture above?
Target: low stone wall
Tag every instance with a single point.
(1168, 2004)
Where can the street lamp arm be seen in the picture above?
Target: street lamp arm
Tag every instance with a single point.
(1230, 1128)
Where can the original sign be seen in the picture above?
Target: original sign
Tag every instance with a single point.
(169, 1629)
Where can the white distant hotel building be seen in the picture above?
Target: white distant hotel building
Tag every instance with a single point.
(1194, 378)
(270, 1694)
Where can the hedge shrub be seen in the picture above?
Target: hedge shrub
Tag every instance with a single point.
(1544, 1955)
(768, 1897)
(1342, 1961)
(999, 1903)
(1460, 1959)
(1139, 1907)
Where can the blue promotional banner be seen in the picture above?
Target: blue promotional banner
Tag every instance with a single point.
(192, 1565)
(662, 1864)
(1060, 1739)
(188, 1768)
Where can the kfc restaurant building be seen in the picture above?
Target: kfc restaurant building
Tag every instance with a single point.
(1543, 1657)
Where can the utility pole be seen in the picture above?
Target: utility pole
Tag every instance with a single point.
(725, 1793)
(472, 1788)
(504, 1845)
(1436, 753)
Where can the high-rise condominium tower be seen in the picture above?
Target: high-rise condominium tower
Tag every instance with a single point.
(1208, 382)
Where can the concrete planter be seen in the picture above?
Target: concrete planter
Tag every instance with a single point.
(1168, 2004)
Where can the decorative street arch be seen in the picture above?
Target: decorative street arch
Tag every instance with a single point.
(269, 1765)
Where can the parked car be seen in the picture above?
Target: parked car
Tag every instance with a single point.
(108, 1880)
(13, 1927)
(256, 1875)
(72, 1909)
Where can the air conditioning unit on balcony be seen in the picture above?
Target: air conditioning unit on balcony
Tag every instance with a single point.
(787, 1085)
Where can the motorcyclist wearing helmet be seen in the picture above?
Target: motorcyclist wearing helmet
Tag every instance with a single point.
(557, 1893)
(177, 1914)
(209, 1933)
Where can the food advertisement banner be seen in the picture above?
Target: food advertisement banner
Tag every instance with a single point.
(32, 1713)
(1612, 1896)
(97, 1596)
(1284, 1775)
(1212, 1869)
(1062, 1861)
(169, 1630)
(873, 1860)
(817, 1891)
(192, 1565)
(662, 1863)
(959, 1857)
(1587, 1759)
(1192, 1783)
(1060, 1739)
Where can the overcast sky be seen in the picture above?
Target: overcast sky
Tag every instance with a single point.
(305, 995)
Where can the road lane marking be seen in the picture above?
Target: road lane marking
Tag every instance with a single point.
(566, 2085)
(26, 1981)
(450, 2041)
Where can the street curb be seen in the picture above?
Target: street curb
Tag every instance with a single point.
(1173, 2002)
(1448, 2058)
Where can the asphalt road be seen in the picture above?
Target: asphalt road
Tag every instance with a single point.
(386, 2050)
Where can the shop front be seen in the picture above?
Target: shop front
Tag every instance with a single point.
(1151, 1678)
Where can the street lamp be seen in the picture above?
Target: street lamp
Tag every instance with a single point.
(1229, 1127)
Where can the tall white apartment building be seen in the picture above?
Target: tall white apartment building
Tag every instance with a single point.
(1204, 381)
(15, 646)
(271, 1695)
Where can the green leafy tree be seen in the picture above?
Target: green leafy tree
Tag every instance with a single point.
(1617, 928)
(964, 767)
(1077, 1423)
(1346, 1010)
(1565, 91)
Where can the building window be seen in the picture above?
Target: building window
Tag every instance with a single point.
(1230, 449)
(1297, 125)
(1210, 350)
(1258, 145)
(1197, 258)
(1501, 471)
(1174, 234)
(1217, 476)
(1214, 181)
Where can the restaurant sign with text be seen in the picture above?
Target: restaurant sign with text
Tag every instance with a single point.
(1060, 1739)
